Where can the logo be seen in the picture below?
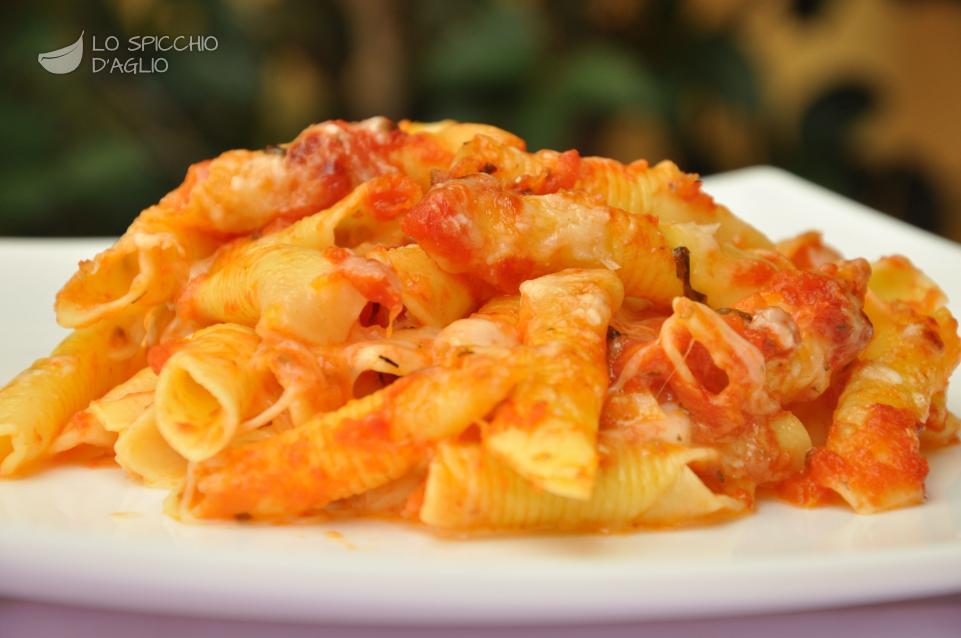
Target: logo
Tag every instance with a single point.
(65, 60)
(134, 55)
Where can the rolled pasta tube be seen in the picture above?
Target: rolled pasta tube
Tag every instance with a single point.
(368, 214)
(147, 266)
(97, 425)
(547, 429)
(503, 309)
(37, 403)
(872, 456)
(469, 488)
(541, 173)
(719, 270)
(285, 291)
(895, 279)
(82, 430)
(688, 500)
(477, 227)
(794, 320)
(667, 192)
(492, 328)
(453, 135)
(432, 296)
(792, 437)
(143, 452)
(808, 251)
(208, 387)
(365, 444)
(125, 403)
(662, 190)
(245, 190)
(151, 261)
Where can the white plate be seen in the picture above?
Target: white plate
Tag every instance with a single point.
(91, 537)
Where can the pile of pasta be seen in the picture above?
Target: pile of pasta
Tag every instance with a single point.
(427, 321)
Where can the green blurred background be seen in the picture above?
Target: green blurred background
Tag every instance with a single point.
(862, 96)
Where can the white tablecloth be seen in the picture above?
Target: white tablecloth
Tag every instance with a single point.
(928, 618)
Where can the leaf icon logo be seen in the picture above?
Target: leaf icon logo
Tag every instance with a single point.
(63, 60)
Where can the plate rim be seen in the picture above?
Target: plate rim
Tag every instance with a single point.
(589, 594)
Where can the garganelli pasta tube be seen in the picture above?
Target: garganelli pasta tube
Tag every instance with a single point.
(872, 457)
(453, 135)
(97, 425)
(80, 431)
(36, 404)
(722, 272)
(547, 429)
(208, 388)
(432, 296)
(493, 328)
(475, 226)
(280, 290)
(144, 453)
(662, 190)
(368, 214)
(125, 403)
(469, 488)
(147, 267)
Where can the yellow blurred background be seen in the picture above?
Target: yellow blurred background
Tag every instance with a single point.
(862, 96)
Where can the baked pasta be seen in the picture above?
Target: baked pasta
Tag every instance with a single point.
(429, 322)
